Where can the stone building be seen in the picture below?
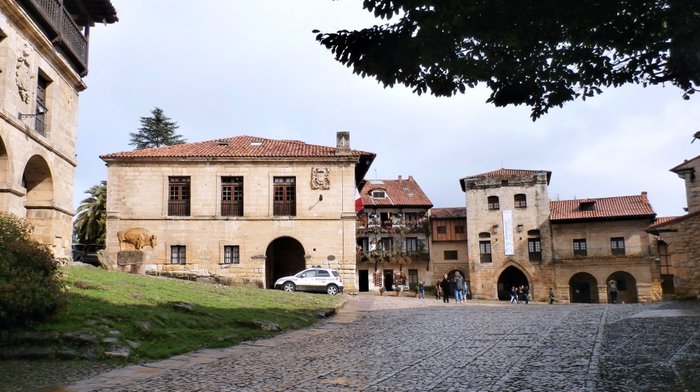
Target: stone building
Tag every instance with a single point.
(507, 225)
(393, 235)
(518, 237)
(678, 239)
(245, 209)
(602, 239)
(448, 245)
(43, 57)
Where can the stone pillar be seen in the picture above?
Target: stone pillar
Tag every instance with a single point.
(131, 261)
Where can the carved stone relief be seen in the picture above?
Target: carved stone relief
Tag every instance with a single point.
(23, 75)
(319, 178)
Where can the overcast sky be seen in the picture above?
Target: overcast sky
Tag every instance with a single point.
(254, 68)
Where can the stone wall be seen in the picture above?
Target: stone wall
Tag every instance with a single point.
(684, 253)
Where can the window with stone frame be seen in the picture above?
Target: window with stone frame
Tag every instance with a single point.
(580, 247)
(451, 255)
(534, 249)
(178, 254)
(617, 246)
(493, 203)
(40, 114)
(232, 196)
(232, 254)
(520, 200)
(284, 198)
(179, 196)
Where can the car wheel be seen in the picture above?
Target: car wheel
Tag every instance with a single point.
(332, 289)
(289, 286)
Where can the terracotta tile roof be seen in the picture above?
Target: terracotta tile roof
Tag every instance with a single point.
(506, 173)
(601, 208)
(664, 219)
(447, 213)
(234, 147)
(665, 222)
(401, 192)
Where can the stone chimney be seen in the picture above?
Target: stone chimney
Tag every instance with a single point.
(399, 177)
(644, 197)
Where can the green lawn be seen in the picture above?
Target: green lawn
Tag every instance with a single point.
(142, 312)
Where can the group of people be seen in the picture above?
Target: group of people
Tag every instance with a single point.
(456, 286)
(519, 294)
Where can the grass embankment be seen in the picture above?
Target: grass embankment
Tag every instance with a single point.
(145, 313)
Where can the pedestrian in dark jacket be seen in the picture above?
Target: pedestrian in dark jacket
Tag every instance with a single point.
(445, 286)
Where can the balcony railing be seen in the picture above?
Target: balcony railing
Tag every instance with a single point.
(284, 208)
(601, 252)
(178, 208)
(59, 27)
(231, 208)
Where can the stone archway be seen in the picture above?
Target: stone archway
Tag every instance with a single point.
(39, 197)
(626, 287)
(511, 276)
(284, 256)
(583, 288)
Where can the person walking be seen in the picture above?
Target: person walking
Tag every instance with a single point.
(612, 289)
(421, 289)
(526, 294)
(445, 286)
(437, 289)
(458, 281)
(551, 296)
(513, 295)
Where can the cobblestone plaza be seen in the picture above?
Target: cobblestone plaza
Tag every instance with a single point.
(406, 344)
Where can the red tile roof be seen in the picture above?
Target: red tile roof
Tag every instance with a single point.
(447, 213)
(401, 192)
(663, 222)
(234, 147)
(506, 173)
(636, 206)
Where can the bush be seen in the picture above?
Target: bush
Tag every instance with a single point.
(30, 280)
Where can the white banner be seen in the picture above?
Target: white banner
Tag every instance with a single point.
(508, 233)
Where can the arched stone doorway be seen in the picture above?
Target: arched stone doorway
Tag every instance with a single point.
(38, 201)
(511, 276)
(283, 257)
(583, 288)
(626, 287)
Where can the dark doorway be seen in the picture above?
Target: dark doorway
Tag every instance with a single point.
(283, 257)
(626, 287)
(510, 277)
(389, 280)
(583, 288)
(363, 280)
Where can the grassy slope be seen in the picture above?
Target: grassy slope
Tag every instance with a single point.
(141, 309)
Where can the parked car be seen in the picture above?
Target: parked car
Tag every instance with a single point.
(312, 279)
(86, 253)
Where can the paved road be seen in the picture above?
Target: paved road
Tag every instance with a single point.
(406, 344)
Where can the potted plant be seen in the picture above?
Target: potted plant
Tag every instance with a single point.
(399, 289)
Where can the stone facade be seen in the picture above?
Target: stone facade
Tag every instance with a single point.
(518, 237)
(677, 240)
(257, 244)
(39, 89)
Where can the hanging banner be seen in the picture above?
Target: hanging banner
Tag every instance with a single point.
(508, 233)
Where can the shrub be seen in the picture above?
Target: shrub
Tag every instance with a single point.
(30, 280)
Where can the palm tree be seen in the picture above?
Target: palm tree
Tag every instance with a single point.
(91, 219)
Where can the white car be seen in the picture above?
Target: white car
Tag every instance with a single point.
(312, 279)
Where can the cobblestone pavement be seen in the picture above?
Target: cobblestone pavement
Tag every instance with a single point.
(406, 344)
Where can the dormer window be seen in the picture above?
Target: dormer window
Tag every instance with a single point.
(377, 194)
(586, 205)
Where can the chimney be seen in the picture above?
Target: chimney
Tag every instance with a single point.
(644, 197)
(399, 177)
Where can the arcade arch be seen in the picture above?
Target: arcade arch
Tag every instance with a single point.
(511, 276)
(626, 287)
(583, 288)
(284, 256)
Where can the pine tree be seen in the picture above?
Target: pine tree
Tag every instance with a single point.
(156, 131)
(90, 224)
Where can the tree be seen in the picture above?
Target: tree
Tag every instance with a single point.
(156, 131)
(541, 53)
(90, 224)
